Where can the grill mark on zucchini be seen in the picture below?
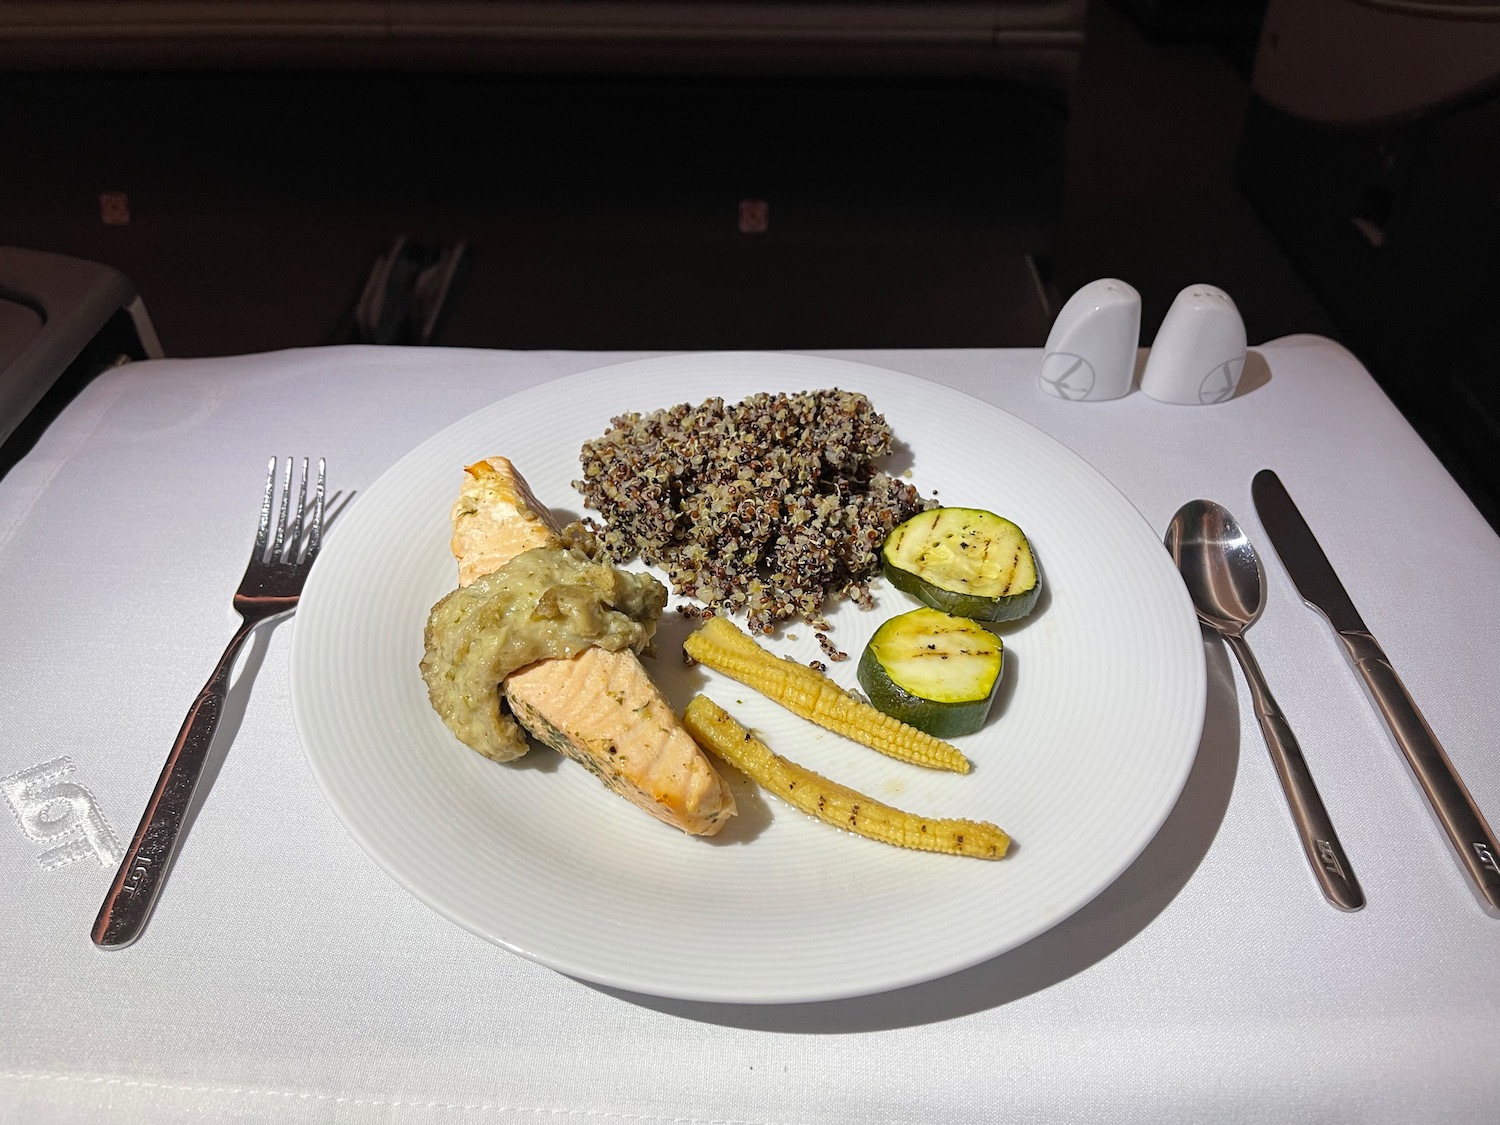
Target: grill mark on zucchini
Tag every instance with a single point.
(964, 561)
(947, 698)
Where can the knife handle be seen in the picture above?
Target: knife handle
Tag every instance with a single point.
(1472, 838)
(1320, 842)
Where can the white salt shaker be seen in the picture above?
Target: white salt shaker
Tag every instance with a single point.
(1199, 352)
(1090, 352)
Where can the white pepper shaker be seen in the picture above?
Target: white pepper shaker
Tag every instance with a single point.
(1091, 350)
(1199, 352)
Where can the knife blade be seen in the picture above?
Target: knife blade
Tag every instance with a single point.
(1471, 837)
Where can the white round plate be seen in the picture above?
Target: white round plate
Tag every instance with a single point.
(1083, 757)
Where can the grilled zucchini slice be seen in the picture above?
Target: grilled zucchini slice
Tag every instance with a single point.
(963, 561)
(933, 671)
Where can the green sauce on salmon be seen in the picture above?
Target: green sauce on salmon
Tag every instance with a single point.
(546, 603)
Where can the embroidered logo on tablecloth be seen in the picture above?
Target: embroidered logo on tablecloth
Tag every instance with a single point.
(61, 815)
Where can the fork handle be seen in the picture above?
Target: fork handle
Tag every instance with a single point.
(139, 879)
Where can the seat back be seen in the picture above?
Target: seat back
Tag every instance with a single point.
(52, 308)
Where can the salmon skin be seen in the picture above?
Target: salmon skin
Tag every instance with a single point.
(599, 708)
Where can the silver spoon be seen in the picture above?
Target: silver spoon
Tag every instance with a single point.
(1223, 577)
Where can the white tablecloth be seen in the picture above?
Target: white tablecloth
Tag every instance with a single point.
(285, 978)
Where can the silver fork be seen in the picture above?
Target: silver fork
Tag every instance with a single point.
(270, 588)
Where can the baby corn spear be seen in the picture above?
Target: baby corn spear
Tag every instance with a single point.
(718, 733)
(807, 692)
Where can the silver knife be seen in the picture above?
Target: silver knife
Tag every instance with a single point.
(1472, 838)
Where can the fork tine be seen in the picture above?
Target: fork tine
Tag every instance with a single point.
(286, 496)
(294, 534)
(263, 532)
(315, 528)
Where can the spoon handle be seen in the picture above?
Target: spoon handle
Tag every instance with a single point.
(1324, 852)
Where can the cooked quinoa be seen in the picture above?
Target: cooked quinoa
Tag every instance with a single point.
(769, 507)
(830, 650)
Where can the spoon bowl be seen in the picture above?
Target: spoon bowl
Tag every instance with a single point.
(1218, 564)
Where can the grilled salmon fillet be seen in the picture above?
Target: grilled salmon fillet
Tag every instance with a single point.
(599, 708)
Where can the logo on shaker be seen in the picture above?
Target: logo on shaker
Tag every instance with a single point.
(1071, 376)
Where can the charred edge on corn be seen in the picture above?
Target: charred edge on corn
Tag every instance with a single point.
(834, 804)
